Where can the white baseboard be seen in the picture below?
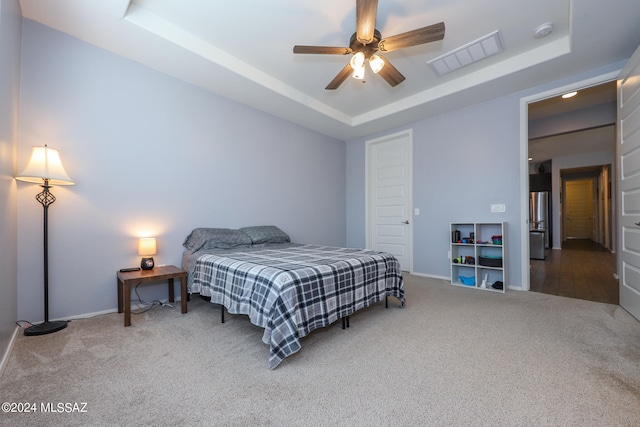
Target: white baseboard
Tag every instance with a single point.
(432, 276)
(7, 353)
(89, 315)
(134, 306)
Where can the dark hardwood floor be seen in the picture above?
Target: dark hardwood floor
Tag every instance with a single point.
(581, 269)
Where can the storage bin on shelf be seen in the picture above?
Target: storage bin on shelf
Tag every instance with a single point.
(469, 281)
(488, 261)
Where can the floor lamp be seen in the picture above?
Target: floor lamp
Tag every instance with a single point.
(45, 168)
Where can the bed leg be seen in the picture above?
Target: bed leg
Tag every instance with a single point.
(345, 322)
(222, 313)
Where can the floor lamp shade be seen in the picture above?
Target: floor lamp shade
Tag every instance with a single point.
(45, 168)
(44, 164)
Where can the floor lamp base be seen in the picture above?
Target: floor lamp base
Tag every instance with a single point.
(45, 328)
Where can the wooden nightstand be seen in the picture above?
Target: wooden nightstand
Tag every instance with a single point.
(158, 274)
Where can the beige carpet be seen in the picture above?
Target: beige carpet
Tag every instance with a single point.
(452, 356)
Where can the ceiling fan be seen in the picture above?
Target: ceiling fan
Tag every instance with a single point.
(367, 41)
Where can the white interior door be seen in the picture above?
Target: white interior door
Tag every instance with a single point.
(628, 156)
(578, 211)
(389, 227)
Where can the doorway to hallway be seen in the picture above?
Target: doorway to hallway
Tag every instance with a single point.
(541, 142)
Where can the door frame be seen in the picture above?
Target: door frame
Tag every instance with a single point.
(524, 164)
(367, 170)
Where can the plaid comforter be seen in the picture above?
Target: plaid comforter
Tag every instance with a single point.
(292, 291)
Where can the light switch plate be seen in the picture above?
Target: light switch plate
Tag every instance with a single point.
(497, 208)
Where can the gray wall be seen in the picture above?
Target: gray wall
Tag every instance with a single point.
(585, 118)
(463, 162)
(10, 27)
(151, 154)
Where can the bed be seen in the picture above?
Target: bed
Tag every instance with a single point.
(286, 288)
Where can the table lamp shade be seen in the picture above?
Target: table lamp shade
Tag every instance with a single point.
(147, 246)
(45, 164)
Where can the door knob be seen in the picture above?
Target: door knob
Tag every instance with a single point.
(406, 221)
(638, 224)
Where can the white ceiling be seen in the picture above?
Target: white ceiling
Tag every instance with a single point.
(242, 49)
(598, 95)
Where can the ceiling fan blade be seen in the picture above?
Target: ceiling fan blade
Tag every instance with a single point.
(366, 11)
(391, 74)
(341, 77)
(322, 50)
(413, 38)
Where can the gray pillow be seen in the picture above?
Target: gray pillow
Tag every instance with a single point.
(266, 234)
(216, 238)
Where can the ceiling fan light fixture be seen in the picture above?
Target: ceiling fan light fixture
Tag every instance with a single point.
(357, 61)
(367, 40)
(358, 73)
(376, 63)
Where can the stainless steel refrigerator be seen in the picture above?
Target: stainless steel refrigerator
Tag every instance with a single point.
(539, 218)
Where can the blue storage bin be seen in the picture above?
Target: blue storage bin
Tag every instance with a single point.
(469, 281)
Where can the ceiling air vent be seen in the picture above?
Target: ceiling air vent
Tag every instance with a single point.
(481, 48)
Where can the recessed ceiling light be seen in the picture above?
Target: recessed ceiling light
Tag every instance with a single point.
(543, 30)
(569, 95)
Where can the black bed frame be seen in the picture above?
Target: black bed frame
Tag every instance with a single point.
(345, 320)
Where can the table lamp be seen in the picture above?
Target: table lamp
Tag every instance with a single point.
(146, 249)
